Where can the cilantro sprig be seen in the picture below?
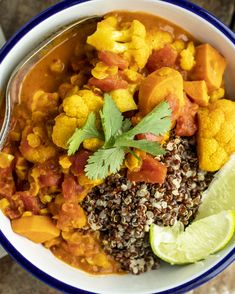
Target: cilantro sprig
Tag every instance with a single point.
(119, 136)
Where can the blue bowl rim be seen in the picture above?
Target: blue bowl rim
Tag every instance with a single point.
(196, 282)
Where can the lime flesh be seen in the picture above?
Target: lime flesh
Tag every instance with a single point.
(221, 193)
(200, 239)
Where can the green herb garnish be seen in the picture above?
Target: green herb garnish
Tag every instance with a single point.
(88, 131)
(119, 137)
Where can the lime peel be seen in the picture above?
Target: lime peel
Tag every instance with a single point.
(199, 240)
(221, 193)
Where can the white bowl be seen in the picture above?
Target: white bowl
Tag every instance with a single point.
(38, 260)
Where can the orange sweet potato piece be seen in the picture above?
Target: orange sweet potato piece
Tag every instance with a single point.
(210, 66)
(197, 91)
(159, 85)
(37, 228)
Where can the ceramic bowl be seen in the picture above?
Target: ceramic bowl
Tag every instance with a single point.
(38, 260)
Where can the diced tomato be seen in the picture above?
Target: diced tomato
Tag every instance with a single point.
(31, 203)
(186, 123)
(50, 174)
(165, 57)
(151, 171)
(174, 105)
(49, 180)
(71, 189)
(109, 84)
(12, 213)
(111, 59)
(150, 137)
(79, 160)
(7, 184)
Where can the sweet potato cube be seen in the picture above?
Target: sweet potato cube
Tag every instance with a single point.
(158, 86)
(197, 91)
(210, 66)
(36, 228)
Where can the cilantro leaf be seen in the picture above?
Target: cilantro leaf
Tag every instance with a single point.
(126, 125)
(157, 122)
(103, 162)
(111, 118)
(89, 130)
(118, 135)
(153, 148)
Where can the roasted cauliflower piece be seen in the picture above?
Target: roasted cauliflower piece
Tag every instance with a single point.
(93, 101)
(63, 129)
(124, 100)
(36, 146)
(131, 41)
(216, 134)
(76, 109)
(43, 104)
(157, 39)
(178, 45)
(187, 60)
(74, 106)
(217, 94)
(102, 71)
(93, 144)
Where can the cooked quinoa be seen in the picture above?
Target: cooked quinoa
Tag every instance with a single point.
(123, 211)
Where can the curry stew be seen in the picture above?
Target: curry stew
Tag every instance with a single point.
(42, 188)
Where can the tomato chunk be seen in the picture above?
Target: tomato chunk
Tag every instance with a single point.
(111, 59)
(109, 84)
(174, 105)
(7, 184)
(71, 189)
(31, 202)
(186, 123)
(151, 171)
(79, 160)
(150, 137)
(164, 57)
(49, 173)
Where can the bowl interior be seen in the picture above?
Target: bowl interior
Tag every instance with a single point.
(167, 277)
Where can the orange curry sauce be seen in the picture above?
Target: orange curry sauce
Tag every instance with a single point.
(80, 250)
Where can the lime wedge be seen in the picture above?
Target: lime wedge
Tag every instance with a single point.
(221, 193)
(200, 239)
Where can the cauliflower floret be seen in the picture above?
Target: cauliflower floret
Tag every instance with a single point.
(217, 94)
(93, 101)
(63, 129)
(76, 109)
(187, 60)
(36, 148)
(178, 45)
(123, 99)
(216, 134)
(74, 106)
(93, 144)
(43, 104)
(102, 71)
(65, 162)
(130, 41)
(157, 39)
(5, 160)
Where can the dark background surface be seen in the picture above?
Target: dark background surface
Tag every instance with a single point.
(13, 279)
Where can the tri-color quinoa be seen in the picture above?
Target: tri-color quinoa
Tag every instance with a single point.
(123, 211)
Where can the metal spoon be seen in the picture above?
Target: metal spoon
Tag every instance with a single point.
(17, 76)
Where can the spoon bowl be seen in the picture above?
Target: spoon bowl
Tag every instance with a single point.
(13, 87)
